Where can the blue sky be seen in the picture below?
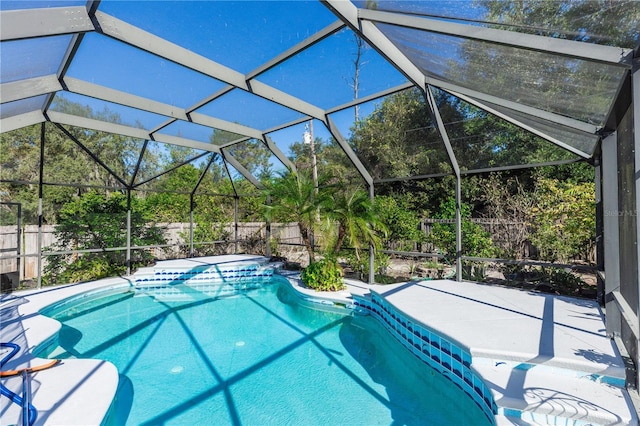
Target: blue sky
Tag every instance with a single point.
(242, 36)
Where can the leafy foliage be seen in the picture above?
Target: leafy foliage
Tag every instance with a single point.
(475, 240)
(398, 139)
(95, 221)
(323, 275)
(402, 222)
(294, 199)
(357, 221)
(564, 220)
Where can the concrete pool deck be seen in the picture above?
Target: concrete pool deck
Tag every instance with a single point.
(545, 358)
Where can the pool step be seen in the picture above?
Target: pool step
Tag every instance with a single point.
(536, 396)
(167, 275)
(171, 282)
(188, 292)
(244, 272)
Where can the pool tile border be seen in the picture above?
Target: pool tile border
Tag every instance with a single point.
(439, 352)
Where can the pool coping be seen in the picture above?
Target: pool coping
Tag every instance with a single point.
(73, 378)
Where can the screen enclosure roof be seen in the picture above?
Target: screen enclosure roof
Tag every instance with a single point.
(214, 75)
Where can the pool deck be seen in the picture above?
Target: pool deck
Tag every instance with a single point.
(544, 357)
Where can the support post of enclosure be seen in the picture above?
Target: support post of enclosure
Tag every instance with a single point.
(191, 208)
(40, 218)
(599, 231)
(437, 119)
(235, 223)
(267, 248)
(633, 339)
(458, 228)
(128, 231)
(611, 247)
(372, 269)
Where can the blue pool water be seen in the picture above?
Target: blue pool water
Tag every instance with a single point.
(256, 358)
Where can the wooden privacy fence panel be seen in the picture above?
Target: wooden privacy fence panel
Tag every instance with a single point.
(8, 248)
(176, 236)
(504, 234)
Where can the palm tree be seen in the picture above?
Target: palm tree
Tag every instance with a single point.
(357, 221)
(295, 198)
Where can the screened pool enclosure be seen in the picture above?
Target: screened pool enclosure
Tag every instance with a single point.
(117, 96)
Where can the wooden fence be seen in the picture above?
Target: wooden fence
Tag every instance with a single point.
(251, 235)
(176, 235)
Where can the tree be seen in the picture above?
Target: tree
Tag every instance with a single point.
(294, 199)
(357, 220)
(65, 162)
(579, 20)
(563, 220)
(398, 140)
(475, 240)
(400, 219)
(171, 201)
(96, 221)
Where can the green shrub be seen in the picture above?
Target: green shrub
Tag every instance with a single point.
(324, 275)
(381, 262)
(475, 240)
(94, 220)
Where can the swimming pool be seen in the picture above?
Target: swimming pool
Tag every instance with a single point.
(256, 357)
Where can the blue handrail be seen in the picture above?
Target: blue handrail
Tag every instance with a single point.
(21, 401)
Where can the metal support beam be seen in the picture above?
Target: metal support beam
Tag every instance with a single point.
(123, 31)
(101, 126)
(268, 203)
(335, 132)
(91, 154)
(518, 123)
(216, 123)
(27, 88)
(458, 228)
(191, 208)
(274, 95)
(635, 135)
(525, 109)
(304, 44)
(29, 23)
(278, 153)
(128, 260)
(372, 252)
(573, 49)
(119, 129)
(348, 13)
(372, 97)
(235, 223)
(153, 44)
(21, 120)
(97, 91)
(228, 158)
(169, 170)
(437, 119)
(40, 193)
(189, 143)
(599, 231)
